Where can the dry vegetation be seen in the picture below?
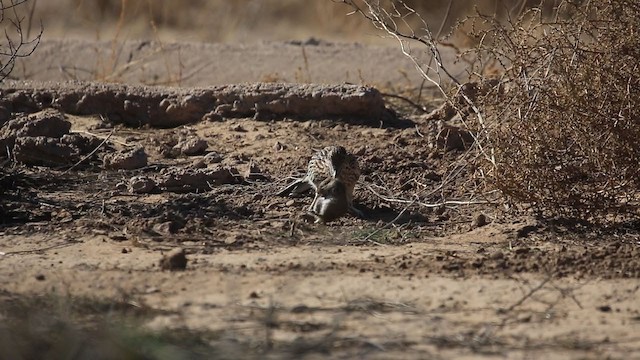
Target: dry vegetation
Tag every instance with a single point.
(563, 127)
(18, 41)
(552, 102)
(239, 20)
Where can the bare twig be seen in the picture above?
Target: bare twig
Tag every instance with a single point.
(91, 153)
(17, 46)
(527, 295)
(407, 100)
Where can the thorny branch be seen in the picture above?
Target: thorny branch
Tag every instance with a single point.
(17, 44)
(394, 22)
(394, 17)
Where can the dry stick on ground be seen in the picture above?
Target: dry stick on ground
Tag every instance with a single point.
(527, 295)
(423, 204)
(91, 153)
(68, 242)
(407, 100)
(368, 237)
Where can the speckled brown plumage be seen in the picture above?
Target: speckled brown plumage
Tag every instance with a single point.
(329, 168)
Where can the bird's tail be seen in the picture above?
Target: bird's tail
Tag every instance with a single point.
(297, 187)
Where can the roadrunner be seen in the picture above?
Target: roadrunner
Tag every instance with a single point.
(332, 173)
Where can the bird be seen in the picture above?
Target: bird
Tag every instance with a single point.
(332, 174)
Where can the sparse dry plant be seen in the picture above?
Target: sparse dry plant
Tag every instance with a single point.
(552, 100)
(565, 130)
(17, 42)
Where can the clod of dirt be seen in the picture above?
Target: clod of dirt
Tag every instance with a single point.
(126, 160)
(189, 180)
(141, 185)
(479, 220)
(43, 151)
(198, 164)
(191, 146)
(168, 227)
(253, 172)
(278, 146)
(48, 123)
(604, 308)
(174, 260)
(212, 158)
(454, 138)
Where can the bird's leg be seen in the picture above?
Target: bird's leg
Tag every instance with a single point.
(313, 203)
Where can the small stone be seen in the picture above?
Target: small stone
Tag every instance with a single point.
(605, 308)
(40, 277)
(278, 146)
(212, 116)
(479, 220)
(167, 227)
(125, 251)
(174, 260)
(199, 164)
(141, 185)
(122, 186)
(254, 172)
(191, 146)
(126, 160)
(212, 158)
(238, 128)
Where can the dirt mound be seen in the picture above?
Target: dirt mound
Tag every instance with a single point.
(43, 138)
(170, 107)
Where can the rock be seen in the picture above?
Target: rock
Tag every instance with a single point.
(141, 185)
(479, 220)
(454, 138)
(213, 158)
(253, 172)
(174, 260)
(278, 146)
(167, 227)
(191, 146)
(198, 164)
(126, 160)
(48, 123)
(191, 180)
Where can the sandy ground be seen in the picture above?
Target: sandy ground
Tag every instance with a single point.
(406, 282)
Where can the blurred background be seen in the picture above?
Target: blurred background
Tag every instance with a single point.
(238, 20)
(209, 42)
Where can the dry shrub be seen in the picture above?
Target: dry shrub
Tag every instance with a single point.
(564, 135)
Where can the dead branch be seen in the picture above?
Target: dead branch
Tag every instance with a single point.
(17, 45)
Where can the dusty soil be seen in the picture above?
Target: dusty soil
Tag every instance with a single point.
(100, 219)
